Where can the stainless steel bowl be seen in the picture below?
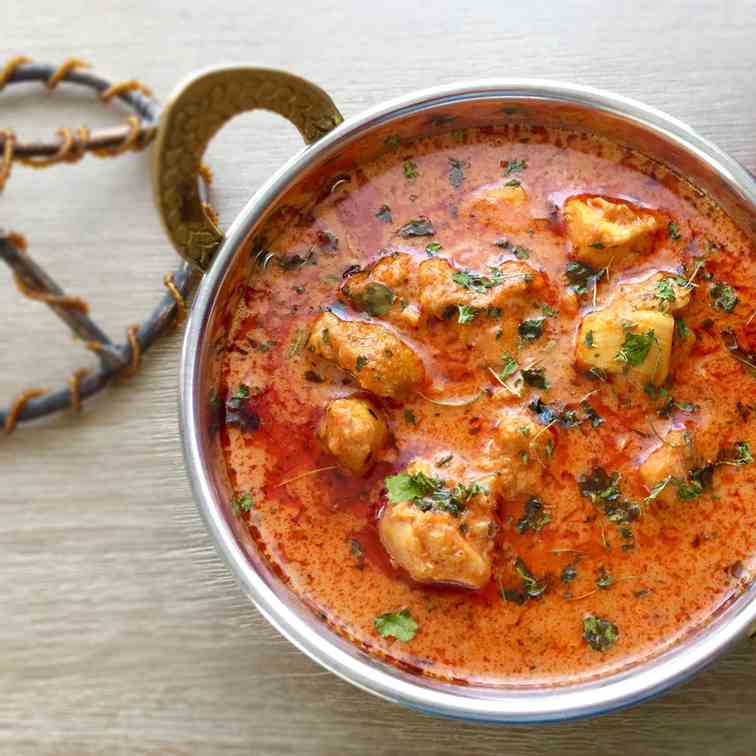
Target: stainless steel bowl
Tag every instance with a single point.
(488, 102)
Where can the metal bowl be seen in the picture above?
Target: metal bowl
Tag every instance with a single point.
(489, 103)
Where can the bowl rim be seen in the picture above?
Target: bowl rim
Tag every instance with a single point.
(607, 693)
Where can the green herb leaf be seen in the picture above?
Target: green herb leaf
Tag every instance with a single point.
(740, 455)
(458, 135)
(580, 276)
(361, 362)
(535, 377)
(569, 573)
(466, 314)
(410, 169)
(289, 263)
(394, 140)
(242, 502)
(600, 634)
(417, 227)
(514, 166)
(549, 311)
(635, 347)
(242, 392)
(664, 291)
(599, 486)
(521, 253)
(534, 518)
(409, 417)
(673, 231)
(589, 339)
(432, 248)
(399, 625)
(404, 487)
(723, 297)
(533, 587)
(681, 329)
(477, 282)
(510, 366)
(384, 214)
(456, 172)
(603, 580)
(513, 183)
(530, 330)
(375, 299)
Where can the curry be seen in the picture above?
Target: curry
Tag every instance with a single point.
(488, 405)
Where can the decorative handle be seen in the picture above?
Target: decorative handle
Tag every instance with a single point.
(194, 113)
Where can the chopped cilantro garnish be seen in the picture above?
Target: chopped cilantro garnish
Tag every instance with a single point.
(534, 517)
(599, 486)
(242, 502)
(295, 261)
(399, 625)
(603, 579)
(384, 214)
(409, 417)
(410, 169)
(530, 330)
(417, 227)
(681, 329)
(600, 634)
(723, 297)
(535, 377)
(521, 253)
(635, 347)
(361, 362)
(466, 314)
(432, 248)
(515, 166)
(431, 493)
(375, 299)
(513, 183)
(456, 172)
(477, 282)
(589, 339)
(664, 291)
(673, 231)
(509, 366)
(580, 276)
(569, 573)
(531, 585)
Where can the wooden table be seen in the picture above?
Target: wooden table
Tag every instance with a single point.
(121, 631)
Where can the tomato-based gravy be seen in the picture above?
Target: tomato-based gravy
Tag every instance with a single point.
(488, 405)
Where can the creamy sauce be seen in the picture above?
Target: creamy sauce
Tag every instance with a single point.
(682, 559)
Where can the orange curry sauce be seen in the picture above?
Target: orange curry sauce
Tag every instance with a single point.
(669, 568)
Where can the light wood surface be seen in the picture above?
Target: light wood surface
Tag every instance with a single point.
(120, 630)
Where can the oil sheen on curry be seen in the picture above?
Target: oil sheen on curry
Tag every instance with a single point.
(489, 405)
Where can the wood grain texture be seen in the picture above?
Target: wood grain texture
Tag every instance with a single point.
(121, 632)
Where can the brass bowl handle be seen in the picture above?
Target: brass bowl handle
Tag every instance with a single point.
(199, 107)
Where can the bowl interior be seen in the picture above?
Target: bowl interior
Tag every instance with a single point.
(300, 182)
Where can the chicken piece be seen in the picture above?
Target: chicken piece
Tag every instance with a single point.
(354, 433)
(435, 545)
(444, 287)
(384, 290)
(516, 454)
(380, 361)
(672, 460)
(602, 230)
(616, 341)
(664, 292)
